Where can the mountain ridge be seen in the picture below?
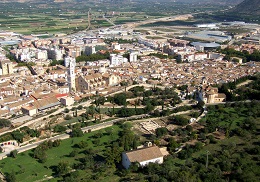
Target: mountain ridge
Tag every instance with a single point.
(247, 7)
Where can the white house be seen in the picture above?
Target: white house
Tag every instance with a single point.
(143, 156)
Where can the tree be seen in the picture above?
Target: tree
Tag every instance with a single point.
(62, 168)
(74, 152)
(10, 177)
(76, 132)
(161, 132)
(126, 112)
(17, 135)
(189, 128)
(172, 145)
(212, 139)
(56, 143)
(109, 131)
(200, 104)
(80, 107)
(198, 146)
(120, 99)
(40, 154)
(148, 108)
(67, 117)
(59, 128)
(13, 153)
(66, 110)
(179, 120)
(82, 144)
(4, 123)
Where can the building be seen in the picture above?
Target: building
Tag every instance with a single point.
(73, 51)
(211, 95)
(41, 54)
(90, 82)
(7, 67)
(56, 54)
(90, 50)
(143, 156)
(46, 103)
(111, 80)
(30, 110)
(133, 56)
(212, 36)
(96, 81)
(116, 46)
(67, 101)
(116, 60)
(71, 75)
(68, 60)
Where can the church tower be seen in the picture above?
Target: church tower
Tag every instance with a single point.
(71, 75)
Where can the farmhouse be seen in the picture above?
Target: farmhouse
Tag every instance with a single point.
(143, 156)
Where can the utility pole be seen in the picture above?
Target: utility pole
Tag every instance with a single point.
(207, 161)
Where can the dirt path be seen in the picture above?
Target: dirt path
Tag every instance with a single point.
(244, 83)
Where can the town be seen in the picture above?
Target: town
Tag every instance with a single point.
(137, 93)
(46, 73)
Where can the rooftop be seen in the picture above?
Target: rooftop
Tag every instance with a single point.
(144, 154)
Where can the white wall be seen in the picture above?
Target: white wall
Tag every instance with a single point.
(126, 163)
(156, 160)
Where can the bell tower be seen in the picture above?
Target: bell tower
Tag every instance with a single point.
(71, 75)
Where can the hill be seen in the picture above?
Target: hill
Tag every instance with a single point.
(247, 7)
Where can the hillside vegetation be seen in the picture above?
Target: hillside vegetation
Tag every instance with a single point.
(248, 7)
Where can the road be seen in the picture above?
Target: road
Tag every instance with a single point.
(132, 25)
(84, 104)
(89, 20)
(108, 20)
(66, 135)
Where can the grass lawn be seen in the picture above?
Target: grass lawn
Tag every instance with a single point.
(226, 115)
(212, 148)
(27, 168)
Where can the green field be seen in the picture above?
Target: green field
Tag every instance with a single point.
(27, 168)
(73, 16)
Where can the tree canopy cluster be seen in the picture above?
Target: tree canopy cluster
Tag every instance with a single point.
(4, 123)
(251, 91)
(40, 151)
(255, 56)
(92, 57)
(234, 158)
(19, 134)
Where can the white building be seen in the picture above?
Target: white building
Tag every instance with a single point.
(68, 60)
(71, 75)
(67, 101)
(116, 46)
(25, 57)
(41, 54)
(143, 156)
(133, 57)
(116, 60)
